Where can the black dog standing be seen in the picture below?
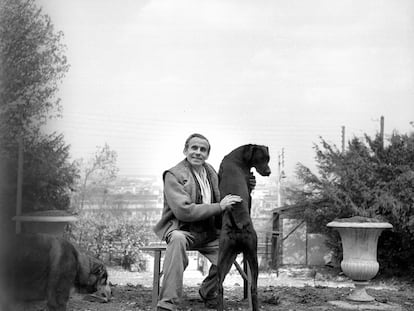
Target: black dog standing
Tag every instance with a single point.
(237, 233)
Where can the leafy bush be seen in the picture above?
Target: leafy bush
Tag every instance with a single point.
(369, 180)
(48, 175)
(113, 238)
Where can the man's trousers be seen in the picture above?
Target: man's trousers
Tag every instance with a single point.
(175, 262)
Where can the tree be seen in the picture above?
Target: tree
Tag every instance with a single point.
(33, 63)
(370, 180)
(48, 182)
(97, 173)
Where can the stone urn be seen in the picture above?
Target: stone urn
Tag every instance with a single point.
(359, 236)
(50, 221)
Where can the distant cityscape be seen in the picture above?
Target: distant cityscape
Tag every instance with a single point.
(141, 197)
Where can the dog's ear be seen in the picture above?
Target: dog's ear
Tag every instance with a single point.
(248, 152)
(99, 270)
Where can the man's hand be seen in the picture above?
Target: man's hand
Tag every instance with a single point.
(229, 200)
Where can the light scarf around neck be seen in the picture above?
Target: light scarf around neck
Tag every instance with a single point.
(202, 179)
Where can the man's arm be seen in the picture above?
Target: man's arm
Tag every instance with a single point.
(181, 204)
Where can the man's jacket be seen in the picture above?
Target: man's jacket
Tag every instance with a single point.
(183, 208)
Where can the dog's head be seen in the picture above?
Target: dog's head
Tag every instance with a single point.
(258, 157)
(92, 275)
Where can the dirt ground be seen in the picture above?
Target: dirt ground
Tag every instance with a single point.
(294, 291)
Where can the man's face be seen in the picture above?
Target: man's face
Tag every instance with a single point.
(197, 151)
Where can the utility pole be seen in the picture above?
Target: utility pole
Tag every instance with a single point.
(343, 139)
(382, 132)
(280, 175)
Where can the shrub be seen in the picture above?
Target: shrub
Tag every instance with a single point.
(48, 174)
(369, 180)
(112, 238)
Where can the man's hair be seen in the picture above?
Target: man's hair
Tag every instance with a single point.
(187, 142)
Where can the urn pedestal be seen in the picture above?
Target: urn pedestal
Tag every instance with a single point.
(50, 222)
(359, 245)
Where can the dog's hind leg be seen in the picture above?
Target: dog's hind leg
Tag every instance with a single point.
(226, 258)
(250, 254)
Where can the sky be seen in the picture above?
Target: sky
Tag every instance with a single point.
(144, 75)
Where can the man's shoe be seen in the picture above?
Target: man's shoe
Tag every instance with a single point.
(210, 303)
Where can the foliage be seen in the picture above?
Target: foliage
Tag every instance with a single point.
(48, 173)
(32, 63)
(369, 180)
(48, 183)
(113, 238)
(96, 175)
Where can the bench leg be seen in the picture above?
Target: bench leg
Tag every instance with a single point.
(156, 279)
(247, 280)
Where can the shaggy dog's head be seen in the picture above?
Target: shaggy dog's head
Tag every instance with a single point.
(92, 275)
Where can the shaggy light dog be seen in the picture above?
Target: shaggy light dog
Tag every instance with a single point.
(45, 267)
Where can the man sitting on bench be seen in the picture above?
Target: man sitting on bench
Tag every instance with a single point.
(191, 220)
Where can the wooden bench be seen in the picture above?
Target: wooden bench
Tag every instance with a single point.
(158, 249)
